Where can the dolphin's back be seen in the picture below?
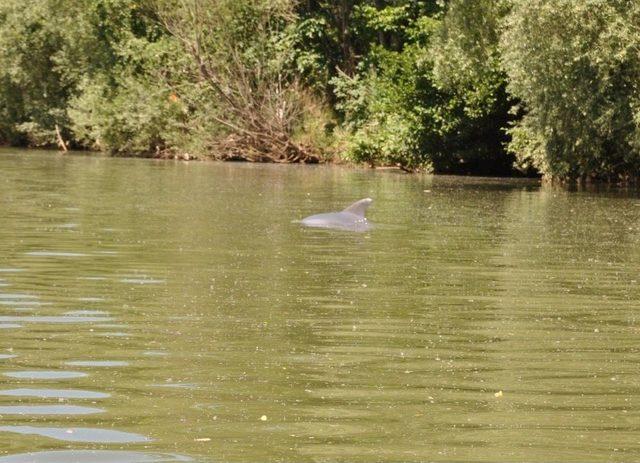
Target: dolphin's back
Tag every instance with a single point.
(352, 218)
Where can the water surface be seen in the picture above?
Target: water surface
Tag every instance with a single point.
(176, 311)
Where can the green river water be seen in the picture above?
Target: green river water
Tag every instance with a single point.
(156, 311)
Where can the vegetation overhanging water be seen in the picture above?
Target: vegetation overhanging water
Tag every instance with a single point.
(485, 87)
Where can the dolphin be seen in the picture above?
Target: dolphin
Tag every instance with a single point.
(351, 219)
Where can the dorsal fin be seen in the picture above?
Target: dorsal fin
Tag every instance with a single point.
(359, 207)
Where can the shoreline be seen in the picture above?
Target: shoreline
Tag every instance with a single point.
(585, 184)
(562, 185)
(192, 158)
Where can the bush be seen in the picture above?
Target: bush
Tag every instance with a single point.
(575, 66)
(34, 86)
(429, 100)
(383, 112)
(239, 53)
(135, 118)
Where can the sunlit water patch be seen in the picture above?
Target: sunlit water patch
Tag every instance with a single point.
(176, 385)
(56, 254)
(86, 312)
(17, 296)
(93, 456)
(142, 281)
(54, 393)
(98, 363)
(23, 303)
(94, 435)
(155, 353)
(53, 319)
(48, 410)
(115, 334)
(45, 374)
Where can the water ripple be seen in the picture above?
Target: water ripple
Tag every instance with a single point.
(98, 363)
(48, 410)
(54, 393)
(55, 254)
(93, 456)
(45, 374)
(53, 319)
(95, 435)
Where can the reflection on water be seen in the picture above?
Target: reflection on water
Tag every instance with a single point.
(23, 303)
(104, 436)
(482, 320)
(55, 393)
(17, 296)
(53, 374)
(142, 281)
(86, 312)
(53, 319)
(48, 410)
(55, 254)
(93, 456)
(98, 363)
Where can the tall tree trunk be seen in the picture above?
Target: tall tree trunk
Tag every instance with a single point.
(344, 11)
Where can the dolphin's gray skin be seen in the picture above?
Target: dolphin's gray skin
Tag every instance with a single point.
(350, 219)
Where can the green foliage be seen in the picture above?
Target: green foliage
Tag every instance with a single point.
(422, 84)
(467, 68)
(35, 85)
(135, 118)
(411, 106)
(382, 108)
(121, 104)
(381, 104)
(466, 55)
(575, 65)
(80, 66)
(241, 53)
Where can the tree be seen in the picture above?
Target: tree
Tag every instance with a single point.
(466, 66)
(430, 93)
(239, 53)
(35, 84)
(575, 66)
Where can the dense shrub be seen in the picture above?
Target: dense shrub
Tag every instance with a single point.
(575, 66)
(437, 85)
(415, 102)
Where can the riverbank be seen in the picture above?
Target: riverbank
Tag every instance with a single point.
(334, 159)
(585, 183)
(480, 88)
